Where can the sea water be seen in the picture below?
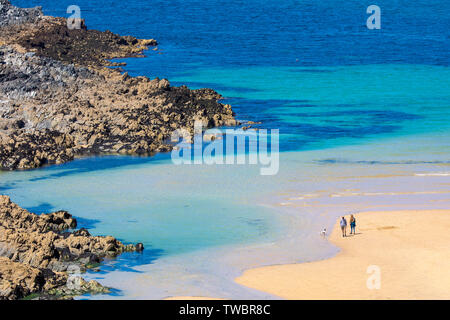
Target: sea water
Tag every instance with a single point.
(364, 125)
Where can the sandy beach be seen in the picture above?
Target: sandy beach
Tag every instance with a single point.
(410, 248)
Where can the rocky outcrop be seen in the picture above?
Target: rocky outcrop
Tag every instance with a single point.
(51, 37)
(58, 102)
(35, 251)
(76, 286)
(18, 280)
(11, 15)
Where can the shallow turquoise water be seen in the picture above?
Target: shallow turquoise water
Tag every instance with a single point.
(141, 203)
(320, 107)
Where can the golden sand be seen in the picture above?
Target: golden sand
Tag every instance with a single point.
(410, 249)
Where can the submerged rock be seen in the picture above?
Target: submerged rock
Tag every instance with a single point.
(76, 286)
(139, 247)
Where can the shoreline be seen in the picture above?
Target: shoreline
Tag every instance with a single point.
(416, 268)
(302, 198)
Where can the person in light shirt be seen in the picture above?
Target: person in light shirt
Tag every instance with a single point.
(344, 226)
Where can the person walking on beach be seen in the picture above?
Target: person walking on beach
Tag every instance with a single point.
(344, 227)
(352, 225)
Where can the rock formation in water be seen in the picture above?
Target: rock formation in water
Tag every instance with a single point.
(37, 252)
(59, 101)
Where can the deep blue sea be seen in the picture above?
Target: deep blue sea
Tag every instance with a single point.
(311, 69)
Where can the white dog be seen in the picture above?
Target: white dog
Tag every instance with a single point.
(323, 233)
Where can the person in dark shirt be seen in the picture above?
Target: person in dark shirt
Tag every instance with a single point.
(352, 225)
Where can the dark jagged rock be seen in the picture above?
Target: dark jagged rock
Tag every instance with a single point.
(81, 232)
(139, 247)
(50, 37)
